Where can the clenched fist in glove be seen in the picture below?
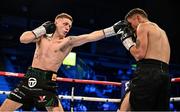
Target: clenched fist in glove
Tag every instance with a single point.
(46, 28)
(127, 36)
(117, 28)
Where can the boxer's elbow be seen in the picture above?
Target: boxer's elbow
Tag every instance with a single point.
(22, 39)
(138, 54)
(139, 57)
(26, 37)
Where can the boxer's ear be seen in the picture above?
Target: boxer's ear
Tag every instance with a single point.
(55, 22)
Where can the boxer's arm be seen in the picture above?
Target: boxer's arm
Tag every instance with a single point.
(82, 39)
(28, 37)
(140, 48)
(98, 35)
(35, 35)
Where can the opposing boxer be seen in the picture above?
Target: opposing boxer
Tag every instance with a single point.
(149, 89)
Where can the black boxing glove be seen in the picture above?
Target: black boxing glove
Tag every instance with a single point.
(117, 28)
(127, 36)
(46, 28)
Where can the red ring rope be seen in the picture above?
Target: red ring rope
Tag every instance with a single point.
(20, 75)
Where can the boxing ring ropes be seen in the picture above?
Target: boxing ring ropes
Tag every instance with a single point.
(83, 98)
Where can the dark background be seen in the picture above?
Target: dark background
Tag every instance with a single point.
(104, 57)
(91, 15)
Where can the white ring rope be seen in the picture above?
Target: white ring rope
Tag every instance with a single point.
(83, 98)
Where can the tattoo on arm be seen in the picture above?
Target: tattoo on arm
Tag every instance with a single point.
(71, 37)
(137, 43)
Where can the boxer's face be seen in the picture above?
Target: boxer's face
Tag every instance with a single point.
(63, 26)
(133, 20)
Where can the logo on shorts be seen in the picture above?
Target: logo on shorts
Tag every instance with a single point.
(42, 99)
(32, 82)
(127, 84)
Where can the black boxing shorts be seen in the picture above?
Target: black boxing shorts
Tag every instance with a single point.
(150, 87)
(37, 87)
